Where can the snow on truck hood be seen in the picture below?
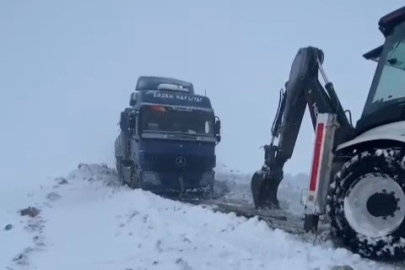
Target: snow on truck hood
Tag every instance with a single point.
(88, 221)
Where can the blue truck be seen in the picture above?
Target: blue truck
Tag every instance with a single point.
(167, 138)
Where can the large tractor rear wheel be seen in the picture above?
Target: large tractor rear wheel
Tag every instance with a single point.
(366, 204)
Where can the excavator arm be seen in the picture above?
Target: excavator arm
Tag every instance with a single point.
(302, 89)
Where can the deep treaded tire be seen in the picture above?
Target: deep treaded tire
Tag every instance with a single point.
(379, 167)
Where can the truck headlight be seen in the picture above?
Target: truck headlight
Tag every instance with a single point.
(151, 177)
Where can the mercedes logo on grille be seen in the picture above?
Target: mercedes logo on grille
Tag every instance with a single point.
(180, 161)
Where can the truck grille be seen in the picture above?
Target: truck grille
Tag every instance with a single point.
(172, 163)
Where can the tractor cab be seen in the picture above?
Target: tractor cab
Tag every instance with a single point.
(385, 103)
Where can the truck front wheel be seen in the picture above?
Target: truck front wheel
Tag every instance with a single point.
(366, 204)
(135, 181)
(120, 172)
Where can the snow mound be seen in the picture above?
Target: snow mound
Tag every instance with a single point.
(96, 173)
(88, 221)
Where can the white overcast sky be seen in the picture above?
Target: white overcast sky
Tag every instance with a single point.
(67, 69)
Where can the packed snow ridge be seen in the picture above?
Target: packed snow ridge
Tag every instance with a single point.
(88, 221)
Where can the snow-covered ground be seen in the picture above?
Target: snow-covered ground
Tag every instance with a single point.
(89, 222)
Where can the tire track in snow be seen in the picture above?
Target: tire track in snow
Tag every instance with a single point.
(33, 218)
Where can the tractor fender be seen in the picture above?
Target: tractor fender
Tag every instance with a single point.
(393, 131)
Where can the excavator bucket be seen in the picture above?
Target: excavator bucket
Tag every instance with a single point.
(264, 190)
(265, 182)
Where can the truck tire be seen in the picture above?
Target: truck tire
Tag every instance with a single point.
(132, 180)
(371, 179)
(119, 172)
(208, 193)
(135, 182)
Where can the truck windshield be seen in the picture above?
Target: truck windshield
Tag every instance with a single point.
(167, 120)
(390, 75)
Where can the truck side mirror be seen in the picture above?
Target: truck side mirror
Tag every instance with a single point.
(124, 121)
(217, 129)
(136, 125)
(132, 99)
(127, 120)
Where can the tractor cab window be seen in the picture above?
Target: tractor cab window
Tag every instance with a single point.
(389, 85)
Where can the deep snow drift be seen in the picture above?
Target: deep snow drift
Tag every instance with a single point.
(88, 221)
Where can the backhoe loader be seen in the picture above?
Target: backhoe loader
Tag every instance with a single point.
(357, 177)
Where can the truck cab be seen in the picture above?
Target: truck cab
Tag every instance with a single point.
(168, 137)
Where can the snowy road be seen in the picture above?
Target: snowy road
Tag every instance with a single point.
(90, 223)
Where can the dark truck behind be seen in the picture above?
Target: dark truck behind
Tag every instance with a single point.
(167, 137)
